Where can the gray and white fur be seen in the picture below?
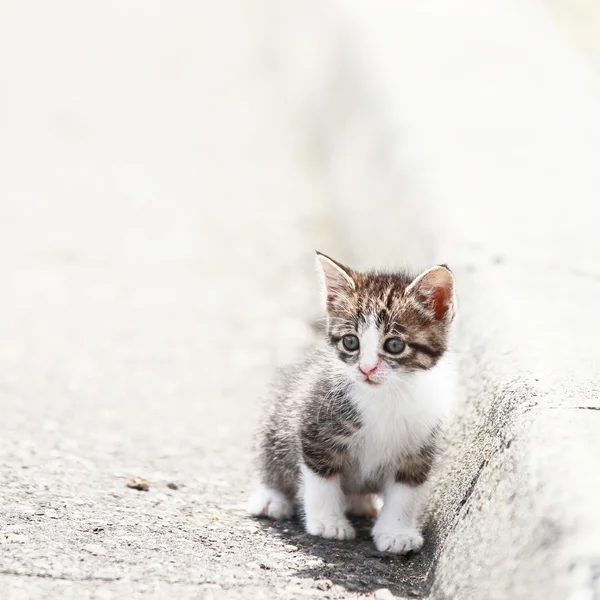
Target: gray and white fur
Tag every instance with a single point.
(360, 417)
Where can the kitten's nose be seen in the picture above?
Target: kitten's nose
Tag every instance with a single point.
(368, 371)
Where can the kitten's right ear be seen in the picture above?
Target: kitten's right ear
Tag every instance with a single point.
(336, 279)
(434, 291)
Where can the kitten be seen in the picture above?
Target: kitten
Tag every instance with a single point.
(361, 415)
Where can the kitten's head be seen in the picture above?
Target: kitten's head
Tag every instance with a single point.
(384, 324)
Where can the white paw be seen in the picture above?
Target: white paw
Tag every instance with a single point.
(271, 503)
(398, 542)
(334, 528)
(363, 505)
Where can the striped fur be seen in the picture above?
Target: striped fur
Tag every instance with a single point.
(363, 418)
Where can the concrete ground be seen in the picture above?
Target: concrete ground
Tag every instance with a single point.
(158, 217)
(166, 170)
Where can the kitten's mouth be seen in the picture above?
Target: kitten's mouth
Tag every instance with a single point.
(370, 381)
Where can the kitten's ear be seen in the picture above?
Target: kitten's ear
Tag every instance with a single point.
(434, 291)
(336, 279)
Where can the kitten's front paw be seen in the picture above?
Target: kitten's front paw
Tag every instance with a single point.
(398, 542)
(335, 528)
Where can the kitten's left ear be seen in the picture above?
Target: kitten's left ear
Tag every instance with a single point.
(434, 291)
(336, 278)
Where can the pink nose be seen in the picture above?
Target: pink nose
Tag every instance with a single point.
(368, 371)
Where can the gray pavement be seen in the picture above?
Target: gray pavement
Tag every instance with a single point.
(158, 216)
(166, 171)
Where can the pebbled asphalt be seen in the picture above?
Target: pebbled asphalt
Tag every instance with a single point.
(160, 206)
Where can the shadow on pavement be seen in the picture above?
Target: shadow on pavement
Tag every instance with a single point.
(356, 565)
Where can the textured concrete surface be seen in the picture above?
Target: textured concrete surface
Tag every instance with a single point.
(165, 172)
(159, 209)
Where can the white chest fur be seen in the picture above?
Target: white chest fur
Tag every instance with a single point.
(398, 418)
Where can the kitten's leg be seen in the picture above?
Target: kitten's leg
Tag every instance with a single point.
(396, 528)
(324, 506)
(270, 502)
(363, 505)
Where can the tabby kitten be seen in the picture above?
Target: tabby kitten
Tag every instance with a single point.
(361, 415)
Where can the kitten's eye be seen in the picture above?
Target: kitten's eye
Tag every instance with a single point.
(394, 345)
(350, 342)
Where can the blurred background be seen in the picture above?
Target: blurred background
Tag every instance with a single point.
(168, 168)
